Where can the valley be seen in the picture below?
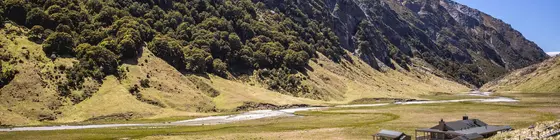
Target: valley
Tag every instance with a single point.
(253, 115)
(333, 123)
(263, 69)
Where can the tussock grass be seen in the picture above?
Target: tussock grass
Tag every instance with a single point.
(542, 77)
(356, 80)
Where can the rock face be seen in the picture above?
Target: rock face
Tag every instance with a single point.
(467, 45)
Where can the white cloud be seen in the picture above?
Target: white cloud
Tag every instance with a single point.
(552, 53)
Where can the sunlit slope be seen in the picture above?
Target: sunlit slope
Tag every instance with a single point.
(32, 97)
(542, 77)
(355, 80)
(344, 82)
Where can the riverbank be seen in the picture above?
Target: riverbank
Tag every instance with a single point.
(250, 115)
(331, 123)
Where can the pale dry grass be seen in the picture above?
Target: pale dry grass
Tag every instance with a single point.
(323, 133)
(358, 80)
(233, 94)
(167, 85)
(29, 94)
(542, 77)
(112, 98)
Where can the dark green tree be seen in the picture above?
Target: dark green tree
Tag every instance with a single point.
(103, 59)
(196, 60)
(184, 32)
(128, 47)
(16, 10)
(36, 17)
(59, 43)
(37, 34)
(2, 8)
(169, 50)
(294, 59)
(94, 6)
(92, 36)
(219, 67)
(110, 44)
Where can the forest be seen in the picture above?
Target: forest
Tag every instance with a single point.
(225, 37)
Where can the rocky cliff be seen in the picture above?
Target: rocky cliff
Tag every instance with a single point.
(466, 44)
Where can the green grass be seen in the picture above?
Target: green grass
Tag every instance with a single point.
(346, 123)
(436, 96)
(121, 121)
(334, 123)
(534, 99)
(312, 120)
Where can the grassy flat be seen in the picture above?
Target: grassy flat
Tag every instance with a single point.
(341, 123)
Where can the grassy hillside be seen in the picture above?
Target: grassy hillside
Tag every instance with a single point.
(151, 88)
(542, 77)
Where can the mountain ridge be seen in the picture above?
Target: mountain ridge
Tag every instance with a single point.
(444, 33)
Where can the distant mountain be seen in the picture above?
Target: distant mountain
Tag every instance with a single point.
(552, 53)
(465, 43)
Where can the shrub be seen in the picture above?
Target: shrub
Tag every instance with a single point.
(219, 67)
(59, 43)
(36, 34)
(145, 83)
(7, 73)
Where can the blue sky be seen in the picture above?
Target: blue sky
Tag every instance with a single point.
(537, 20)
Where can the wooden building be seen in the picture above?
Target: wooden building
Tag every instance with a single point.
(465, 129)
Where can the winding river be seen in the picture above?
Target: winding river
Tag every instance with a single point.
(251, 115)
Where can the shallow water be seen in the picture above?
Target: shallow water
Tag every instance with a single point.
(251, 115)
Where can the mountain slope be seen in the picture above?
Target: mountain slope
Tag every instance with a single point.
(31, 97)
(161, 58)
(466, 44)
(542, 77)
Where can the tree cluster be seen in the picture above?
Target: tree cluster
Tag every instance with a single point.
(198, 36)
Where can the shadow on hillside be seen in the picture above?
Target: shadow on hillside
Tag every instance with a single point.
(134, 61)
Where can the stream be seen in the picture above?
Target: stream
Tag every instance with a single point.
(251, 115)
